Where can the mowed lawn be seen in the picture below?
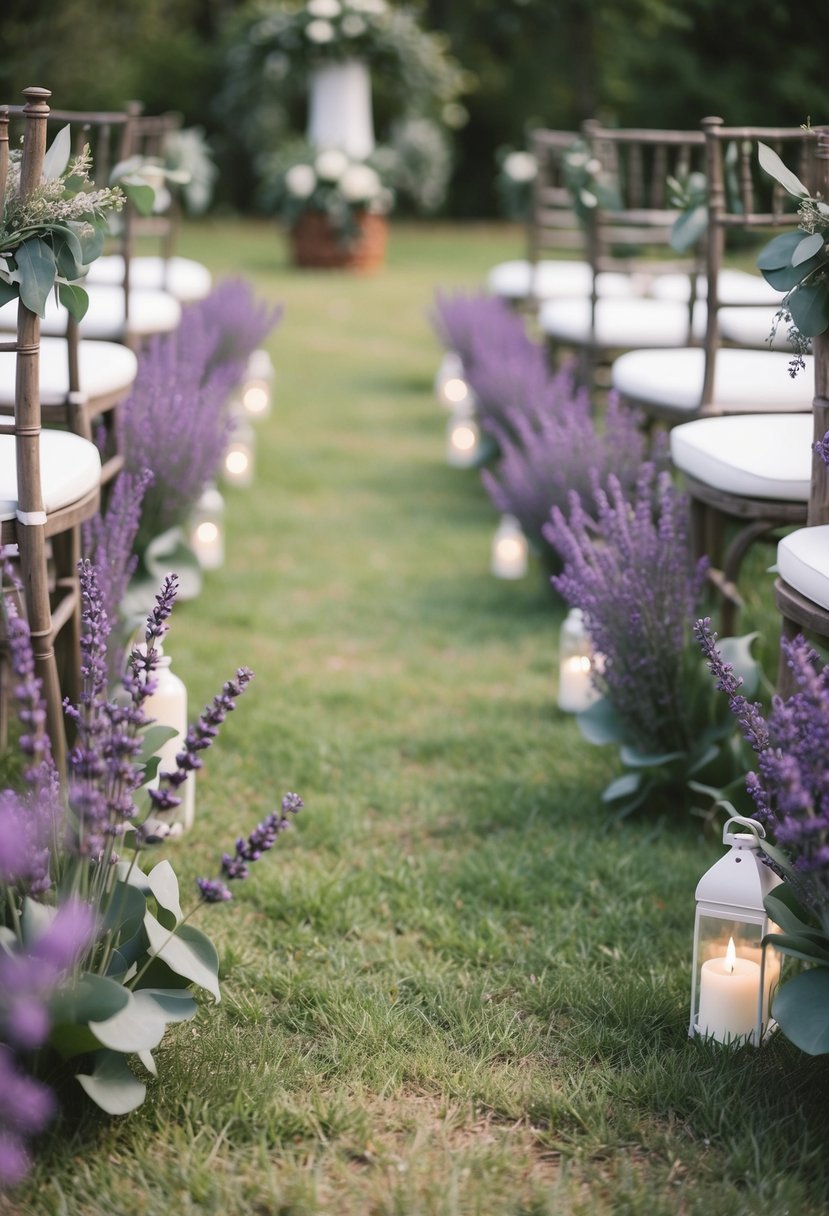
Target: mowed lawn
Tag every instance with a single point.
(459, 986)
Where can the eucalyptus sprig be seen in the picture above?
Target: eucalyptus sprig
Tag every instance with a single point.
(49, 237)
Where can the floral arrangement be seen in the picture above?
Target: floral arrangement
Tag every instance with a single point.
(790, 792)
(97, 957)
(416, 85)
(550, 447)
(591, 186)
(514, 181)
(798, 262)
(299, 179)
(49, 237)
(630, 571)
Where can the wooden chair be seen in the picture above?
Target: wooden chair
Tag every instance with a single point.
(628, 229)
(49, 479)
(553, 228)
(749, 475)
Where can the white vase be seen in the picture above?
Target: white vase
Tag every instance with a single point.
(339, 108)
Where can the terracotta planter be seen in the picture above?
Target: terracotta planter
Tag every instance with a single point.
(315, 244)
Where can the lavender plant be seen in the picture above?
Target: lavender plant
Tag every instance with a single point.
(551, 447)
(630, 571)
(235, 322)
(469, 323)
(790, 792)
(97, 957)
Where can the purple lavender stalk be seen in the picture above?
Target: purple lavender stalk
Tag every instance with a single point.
(469, 324)
(236, 866)
(235, 323)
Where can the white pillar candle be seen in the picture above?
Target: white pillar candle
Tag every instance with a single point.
(509, 550)
(575, 686)
(728, 996)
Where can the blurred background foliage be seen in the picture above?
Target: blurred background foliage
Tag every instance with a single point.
(653, 63)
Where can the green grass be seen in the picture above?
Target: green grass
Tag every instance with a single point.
(459, 987)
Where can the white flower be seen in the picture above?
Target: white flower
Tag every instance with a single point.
(324, 8)
(319, 31)
(359, 183)
(353, 25)
(331, 165)
(593, 166)
(369, 6)
(520, 166)
(300, 181)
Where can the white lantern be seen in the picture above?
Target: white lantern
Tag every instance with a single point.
(451, 388)
(509, 549)
(463, 442)
(576, 664)
(206, 529)
(734, 976)
(168, 706)
(257, 387)
(238, 460)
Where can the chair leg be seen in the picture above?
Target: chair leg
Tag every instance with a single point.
(32, 546)
(66, 549)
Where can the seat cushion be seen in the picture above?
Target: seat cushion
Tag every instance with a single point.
(104, 368)
(70, 468)
(620, 324)
(733, 287)
(184, 278)
(753, 455)
(151, 312)
(751, 327)
(803, 562)
(746, 381)
(548, 279)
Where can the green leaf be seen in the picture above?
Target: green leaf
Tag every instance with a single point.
(600, 723)
(622, 787)
(35, 920)
(164, 886)
(773, 165)
(153, 740)
(801, 1008)
(139, 194)
(780, 250)
(809, 307)
(68, 251)
(7, 293)
(146, 1058)
(92, 238)
(783, 864)
(688, 228)
(141, 1024)
(38, 269)
(798, 946)
(786, 910)
(111, 1085)
(808, 248)
(125, 913)
(702, 761)
(71, 1009)
(57, 155)
(74, 299)
(633, 758)
(187, 951)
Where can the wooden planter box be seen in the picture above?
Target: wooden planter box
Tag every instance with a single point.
(315, 244)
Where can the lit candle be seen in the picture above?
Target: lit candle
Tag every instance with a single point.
(206, 531)
(509, 549)
(256, 388)
(237, 466)
(575, 686)
(463, 439)
(728, 996)
(451, 388)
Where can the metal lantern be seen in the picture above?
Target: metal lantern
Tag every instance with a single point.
(206, 529)
(509, 549)
(257, 386)
(576, 664)
(238, 460)
(734, 976)
(451, 388)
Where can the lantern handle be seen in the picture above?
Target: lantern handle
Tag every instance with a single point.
(756, 828)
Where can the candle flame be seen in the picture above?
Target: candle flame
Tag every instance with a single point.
(464, 438)
(730, 956)
(455, 390)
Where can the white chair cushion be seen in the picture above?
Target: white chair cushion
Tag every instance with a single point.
(620, 323)
(751, 328)
(548, 279)
(151, 312)
(70, 468)
(803, 562)
(754, 455)
(733, 287)
(184, 278)
(104, 368)
(745, 381)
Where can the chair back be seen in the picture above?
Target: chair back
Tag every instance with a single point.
(743, 198)
(553, 224)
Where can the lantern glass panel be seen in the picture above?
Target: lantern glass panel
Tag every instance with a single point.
(731, 969)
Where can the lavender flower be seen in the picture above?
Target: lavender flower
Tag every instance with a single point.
(790, 788)
(26, 1106)
(466, 324)
(262, 838)
(631, 573)
(234, 321)
(551, 448)
(822, 448)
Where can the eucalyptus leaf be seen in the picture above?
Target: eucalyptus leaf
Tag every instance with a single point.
(773, 165)
(784, 866)
(600, 723)
(187, 951)
(57, 155)
(163, 883)
(146, 1058)
(36, 264)
(74, 299)
(801, 1008)
(139, 194)
(809, 307)
(7, 293)
(798, 946)
(705, 758)
(111, 1085)
(141, 1024)
(622, 787)
(633, 758)
(687, 228)
(780, 250)
(786, 910)
(809, 246)
(153, 740)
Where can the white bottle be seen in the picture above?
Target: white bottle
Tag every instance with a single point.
(168, 707)
(576, 690)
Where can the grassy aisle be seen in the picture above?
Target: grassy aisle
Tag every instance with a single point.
(458, 987)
